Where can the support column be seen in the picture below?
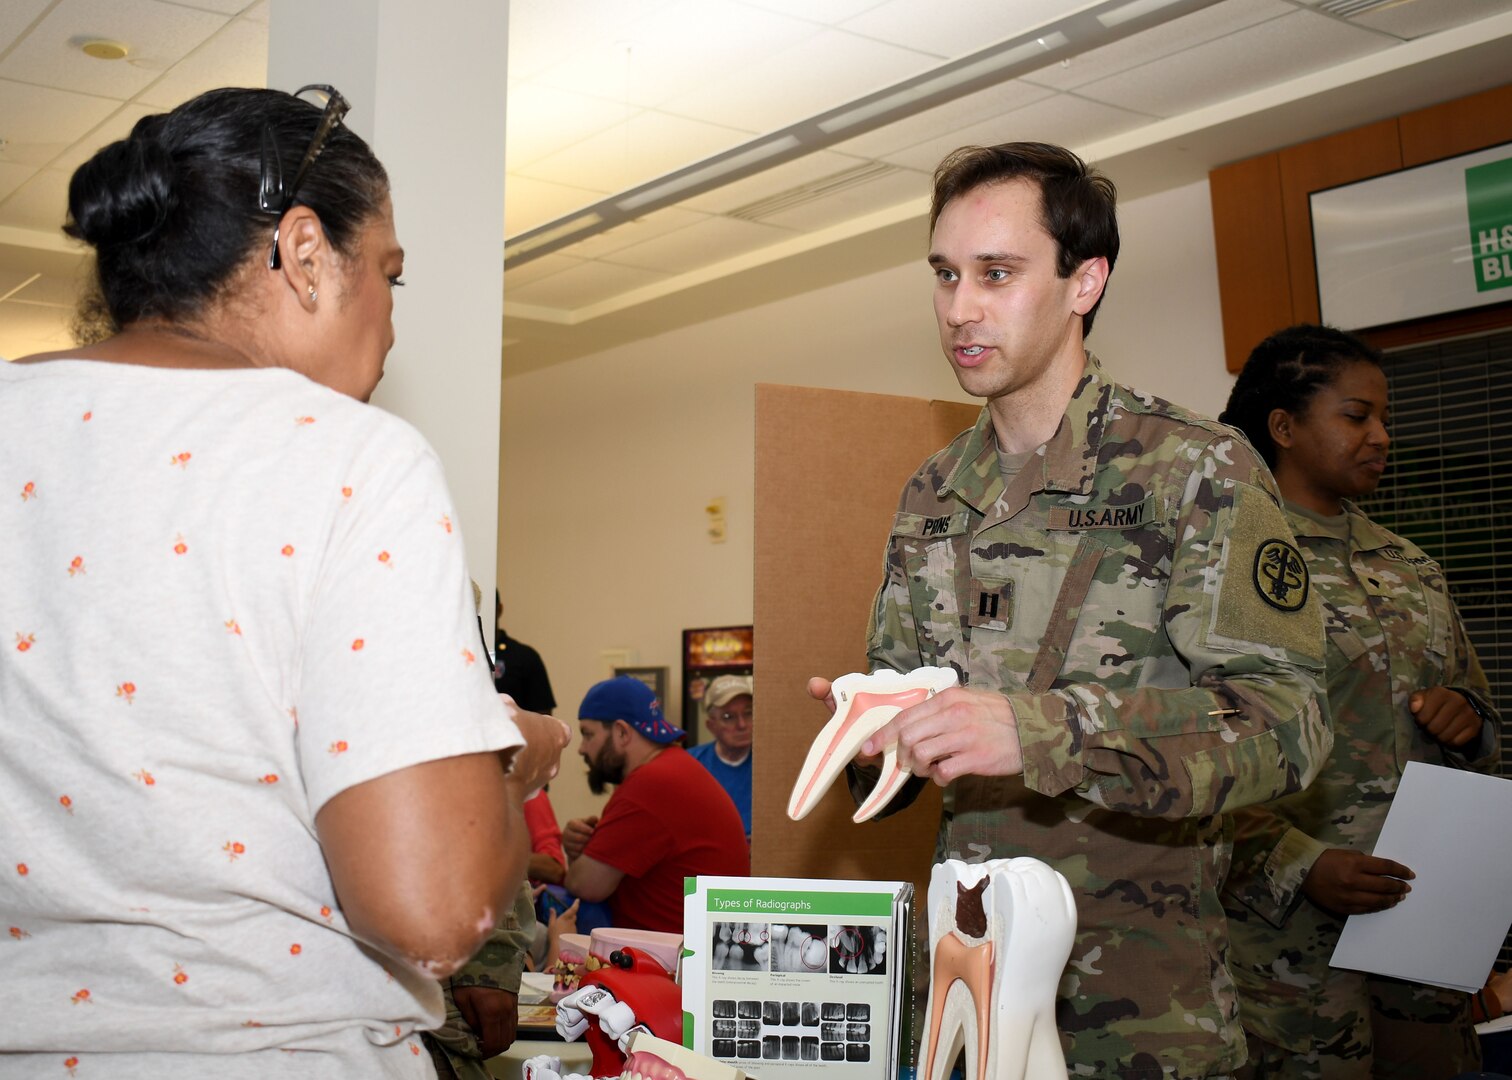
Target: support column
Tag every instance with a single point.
(426, 83)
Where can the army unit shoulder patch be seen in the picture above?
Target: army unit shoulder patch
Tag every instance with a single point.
(1280, 575)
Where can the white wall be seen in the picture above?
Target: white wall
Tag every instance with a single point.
(609, 459)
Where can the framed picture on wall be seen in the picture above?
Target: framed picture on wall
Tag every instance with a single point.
(707, 654)
(654, 677)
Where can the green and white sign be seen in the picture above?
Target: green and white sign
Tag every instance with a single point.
(1488, 194)
(1419, 242)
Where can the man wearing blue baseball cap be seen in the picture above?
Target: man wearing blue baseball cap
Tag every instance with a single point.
(667, 819)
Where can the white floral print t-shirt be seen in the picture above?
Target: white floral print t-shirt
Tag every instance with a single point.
(225, 597)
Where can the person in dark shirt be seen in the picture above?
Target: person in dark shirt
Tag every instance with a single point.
(518, 669)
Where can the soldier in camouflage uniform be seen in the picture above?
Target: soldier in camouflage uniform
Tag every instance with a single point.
(1403, 685)
(1113, 580)
(458, 1048)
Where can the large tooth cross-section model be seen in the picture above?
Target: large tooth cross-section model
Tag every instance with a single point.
(1000, 934)
(863, 704)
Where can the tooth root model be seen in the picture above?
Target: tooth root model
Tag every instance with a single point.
(1000, 934)
(863, 704)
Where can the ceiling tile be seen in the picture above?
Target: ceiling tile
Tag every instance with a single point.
(585, 284)
(224, 7)
(117, 127)
(542, 120)
(1064, 119)
(1414, 20)
(829, 12)
(890, 189)
(952, 116)
(158, 34)
(676, 51)
(1189, 31)
(236, 56)
(828, 69)
(50, 291)
(528, 202)
(257, 12)
(41, 203)
(29, 328)
(544, 33)
(958, 28)
(710, 241)
(16, 16)
(635, 232)
(535, 270)
(39, 123)
(1258, 56)
(647, 146)
(13, 176)
(773, 181)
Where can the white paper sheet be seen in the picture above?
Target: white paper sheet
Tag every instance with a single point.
(1453, 829)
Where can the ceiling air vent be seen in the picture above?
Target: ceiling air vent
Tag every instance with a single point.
(813, 191)
(1348, 9)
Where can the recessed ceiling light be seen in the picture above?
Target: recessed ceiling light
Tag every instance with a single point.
(104, 50)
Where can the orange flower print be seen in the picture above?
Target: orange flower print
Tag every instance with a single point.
(296, 949)
(233, 627)
(250, 1024)
(66, 803)
(126, 690)
(468, 657)
(145, 777)
(287, 550)
(25, 641)
(398, 1031)
(337, 747)
(357, 645)
(414, 1049)
(294, 714)
(386, 559)
(82, 998)
(22, 869)
(269, 778)
(181, 459)
(445, 523)
(18, 933)
(303, 421)
(346, 493)
(179, 976)
(325, 912)
(179, 547)
(76, 566)
(234, 849)
(89, 416)
(28, 491)
(72, 1063)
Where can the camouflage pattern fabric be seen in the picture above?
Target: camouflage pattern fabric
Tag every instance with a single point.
(499, 963)
(1392, 630)
(1134, 593)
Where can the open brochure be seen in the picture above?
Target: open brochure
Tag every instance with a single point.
(784, 976)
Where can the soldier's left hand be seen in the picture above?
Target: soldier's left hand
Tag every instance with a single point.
(491, 1013)
(1445, 715)
(958, 732)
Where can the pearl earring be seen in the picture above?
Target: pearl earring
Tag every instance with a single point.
(313, 294)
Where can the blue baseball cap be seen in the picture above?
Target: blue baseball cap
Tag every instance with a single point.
(630, 700)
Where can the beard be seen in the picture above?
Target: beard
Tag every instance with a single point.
(608, 768)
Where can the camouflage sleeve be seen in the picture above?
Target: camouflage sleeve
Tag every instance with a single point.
(1272, 859)
(502, 958)
(1469, 679)
(1247, 633)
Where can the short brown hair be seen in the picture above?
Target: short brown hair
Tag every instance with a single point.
(1078, 206)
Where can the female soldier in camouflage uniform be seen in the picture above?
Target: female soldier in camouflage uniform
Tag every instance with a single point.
(1403, 685)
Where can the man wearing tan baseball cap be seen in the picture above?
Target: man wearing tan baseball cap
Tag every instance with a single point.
(728, 715)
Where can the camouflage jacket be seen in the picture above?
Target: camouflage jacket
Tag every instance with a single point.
(1392, 630)
(1134, 593)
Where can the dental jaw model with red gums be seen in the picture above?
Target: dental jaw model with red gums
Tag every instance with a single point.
(863, 705)
(1000, 934)
(647, 1058)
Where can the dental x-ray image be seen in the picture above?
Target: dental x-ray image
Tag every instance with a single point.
(857, 950)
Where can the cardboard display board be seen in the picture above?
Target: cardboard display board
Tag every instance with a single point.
(830, 465)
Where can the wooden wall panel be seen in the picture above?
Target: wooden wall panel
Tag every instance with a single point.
(1338, 159)
(1250, 236)
(1457, 127)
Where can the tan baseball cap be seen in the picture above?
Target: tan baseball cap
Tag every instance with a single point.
(726, 689)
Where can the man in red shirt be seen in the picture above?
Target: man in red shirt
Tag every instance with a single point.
(667, 819)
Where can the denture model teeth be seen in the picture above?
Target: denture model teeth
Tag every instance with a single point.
(863, 704)
(545, 1067)
(1000, 934)
(650, 1058)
